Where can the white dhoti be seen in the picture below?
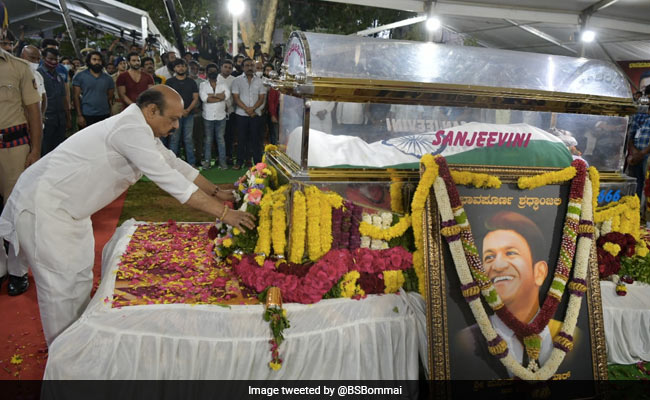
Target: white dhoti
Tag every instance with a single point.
(61, 255)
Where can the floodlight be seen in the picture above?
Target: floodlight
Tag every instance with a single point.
(432, 24)
(588, 36)
(236, 7)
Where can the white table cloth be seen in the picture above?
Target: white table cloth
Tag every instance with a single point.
(627, 323)
(375, 338)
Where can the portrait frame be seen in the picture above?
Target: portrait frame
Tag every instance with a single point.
(442, 325)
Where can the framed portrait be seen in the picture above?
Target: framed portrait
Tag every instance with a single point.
(518, 235)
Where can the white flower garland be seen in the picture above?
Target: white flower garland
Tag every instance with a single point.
(573, 310)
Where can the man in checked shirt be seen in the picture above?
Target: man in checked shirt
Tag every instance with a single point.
(638, 146)
(20, 141)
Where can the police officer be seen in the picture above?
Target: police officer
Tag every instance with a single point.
(20, 141)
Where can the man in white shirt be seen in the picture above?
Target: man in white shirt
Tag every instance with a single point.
(249, 95)
(47, 216)
(167, 70)
(214, 96)
(226, 77)
(32, 55)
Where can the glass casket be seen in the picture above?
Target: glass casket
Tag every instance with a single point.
(357, 113)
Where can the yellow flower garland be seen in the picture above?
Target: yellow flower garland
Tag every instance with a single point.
(475, 179)
(325, 224)
(268, 148)
(279, 221)
(417, 207)
(394, 231)
(612, 248)
(298, 226)
(348, 285)
(263, 244)
(313, 222)
(396, 198)
(549, 178)
(393, 280)
(594, 176)
(624, 216)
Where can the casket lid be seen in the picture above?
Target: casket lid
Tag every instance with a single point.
(363, 69)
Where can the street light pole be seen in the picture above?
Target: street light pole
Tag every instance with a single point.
(234, 36)
(235, 7)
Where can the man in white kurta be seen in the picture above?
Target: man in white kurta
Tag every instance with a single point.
(47, 216)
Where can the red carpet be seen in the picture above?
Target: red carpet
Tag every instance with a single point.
(21, 323)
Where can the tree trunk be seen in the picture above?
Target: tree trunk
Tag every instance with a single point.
(261, 30)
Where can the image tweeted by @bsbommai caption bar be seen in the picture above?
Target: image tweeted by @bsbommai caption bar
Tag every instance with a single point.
(335, 391)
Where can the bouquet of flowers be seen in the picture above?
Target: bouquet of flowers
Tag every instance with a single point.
(251, 187)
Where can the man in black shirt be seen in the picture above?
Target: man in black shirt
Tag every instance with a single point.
(190, 93)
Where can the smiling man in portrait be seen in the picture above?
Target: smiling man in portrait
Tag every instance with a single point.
(514, 258)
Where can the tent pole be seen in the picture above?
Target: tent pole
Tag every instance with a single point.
(70, 27)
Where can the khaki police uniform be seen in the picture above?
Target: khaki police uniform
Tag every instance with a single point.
(17, 90)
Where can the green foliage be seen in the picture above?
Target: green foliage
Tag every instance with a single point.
(407, 240)
(334, 292)
(330, 17)
(637, 267)
(278, 323)
(410, 280)
(262, 296)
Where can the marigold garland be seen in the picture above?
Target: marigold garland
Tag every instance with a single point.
(549, 178)
(349, 286)
(298, 226)
(325, 223)
(417, 207)
(623, 215)
(396, 197)
(612, 248)
(475, 179)
(375, 232)
(393, 280)
(263, 246)
(313, 222)
(279, 221)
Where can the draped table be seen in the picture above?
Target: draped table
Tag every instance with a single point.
(627, 323)
(379, 337)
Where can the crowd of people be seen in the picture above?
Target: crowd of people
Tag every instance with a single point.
(228, 116)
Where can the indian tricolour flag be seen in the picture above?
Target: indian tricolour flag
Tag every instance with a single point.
(471, 143)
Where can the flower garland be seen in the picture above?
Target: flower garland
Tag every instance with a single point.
(549, 178)
(374, 232)
(313, 222)
(263, 246)
(624, 216)
(279, 221)
(475, 179)
(417, 207)
(474, 281)
(393, 280)
(349, 286)
(325, 223)
(396, 196)
(594, 177)
(299, 224)
(321, 276)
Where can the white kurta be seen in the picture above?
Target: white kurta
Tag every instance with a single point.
(48, 212)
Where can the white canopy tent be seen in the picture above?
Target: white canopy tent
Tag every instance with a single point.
(549, 26)
(111, 16)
